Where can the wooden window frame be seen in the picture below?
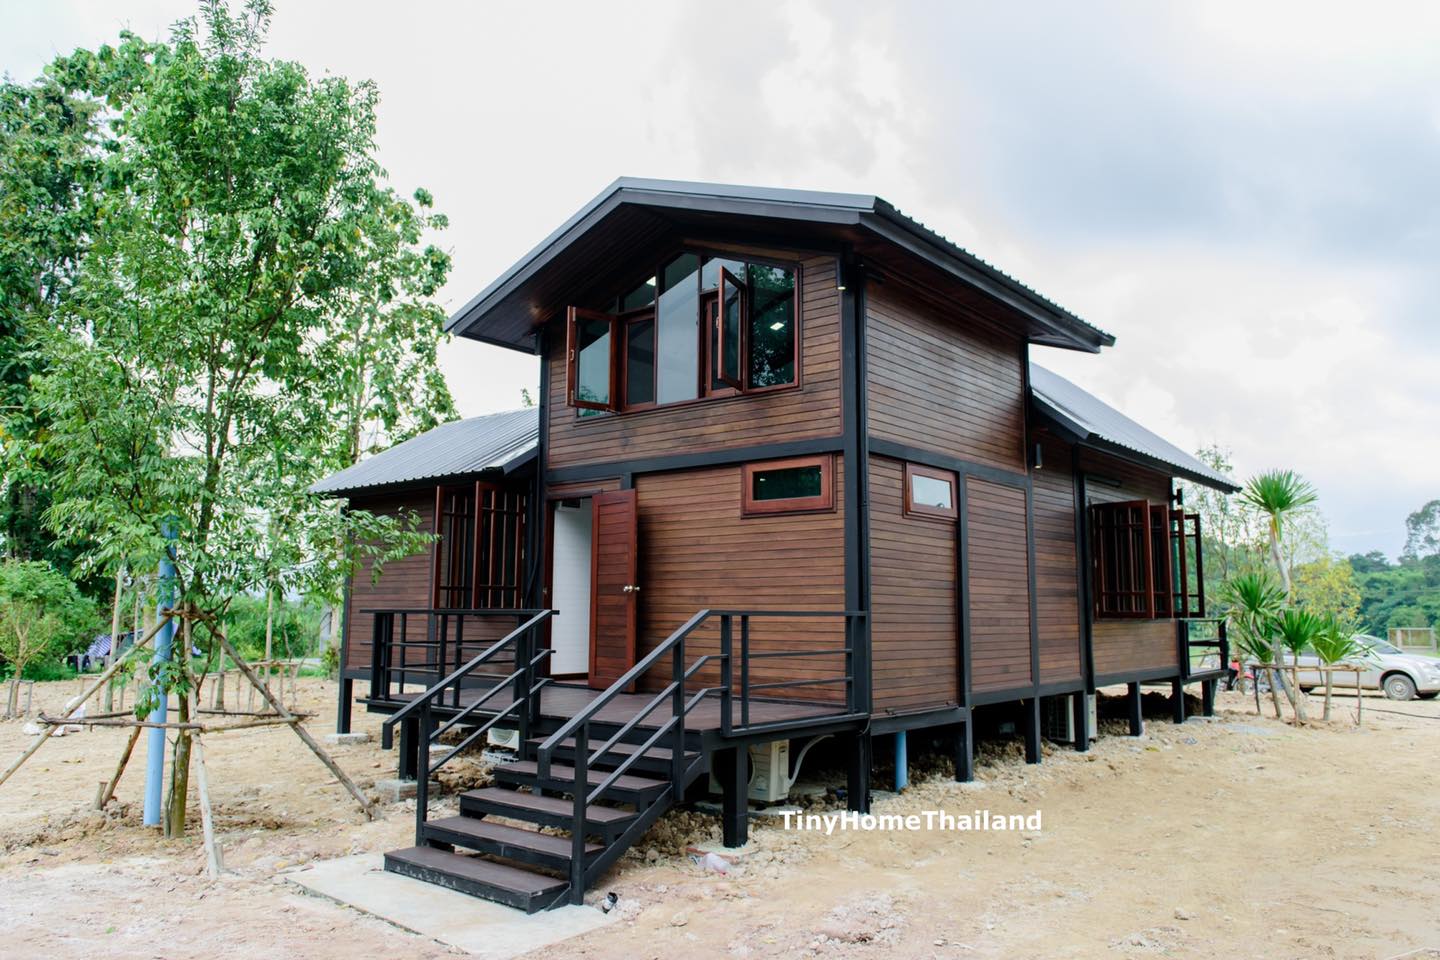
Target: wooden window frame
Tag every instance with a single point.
(1163, 536)
(824, 502)
(923, 511)
(710, 388)
(728, 282)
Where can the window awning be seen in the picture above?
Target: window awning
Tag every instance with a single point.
(1088, 420)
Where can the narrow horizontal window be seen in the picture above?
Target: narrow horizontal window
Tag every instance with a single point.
(929, 492)
(803, 485)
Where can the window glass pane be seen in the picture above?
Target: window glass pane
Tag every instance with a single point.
(772, 326)
(592, 346)
(710, 273)
(787, 483)
(641, 296)
(731, 308)
(930, 492)
(640, 362)
(677, 346)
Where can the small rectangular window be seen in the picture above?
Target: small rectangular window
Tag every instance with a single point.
(591, 366)
(929, 492)
(802, 485)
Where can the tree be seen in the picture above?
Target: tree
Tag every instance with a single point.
(1255, 600)
(41, 612)
(1279, 494)
(203, 366)
(1334, 643)
(1233, 530)
(1422, 532)
(1327, 587)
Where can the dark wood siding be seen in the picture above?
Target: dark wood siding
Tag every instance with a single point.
(999, 578)
(914, 608)
(941, 380)
(403, 583)
(1057, 584)
(697, 551)
(808, 412)
(1126, 646)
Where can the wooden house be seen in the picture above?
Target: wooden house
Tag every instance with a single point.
(792, 475)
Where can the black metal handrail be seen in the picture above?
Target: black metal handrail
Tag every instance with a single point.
(1187, 643)
(673, 729)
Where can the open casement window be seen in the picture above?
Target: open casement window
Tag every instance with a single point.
(592, 369)
(479, 551)
(1146, 561)
(732, 321)
(801, 485)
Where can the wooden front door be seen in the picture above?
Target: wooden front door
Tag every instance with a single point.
(614, 586)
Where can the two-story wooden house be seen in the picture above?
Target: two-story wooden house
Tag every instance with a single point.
(792, 475)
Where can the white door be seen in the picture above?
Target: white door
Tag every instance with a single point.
(570, 591)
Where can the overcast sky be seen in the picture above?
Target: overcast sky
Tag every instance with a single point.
(1246, 194)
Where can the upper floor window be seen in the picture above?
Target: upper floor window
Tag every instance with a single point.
(700, 327)
(1146, 561)
(929, 492)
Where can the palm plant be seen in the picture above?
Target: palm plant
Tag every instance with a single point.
(1297, 629)
(1335, 643)
(1255, 601)
(1279, 494)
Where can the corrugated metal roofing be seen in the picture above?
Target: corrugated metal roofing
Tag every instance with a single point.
(498, 441)
(1094, 421)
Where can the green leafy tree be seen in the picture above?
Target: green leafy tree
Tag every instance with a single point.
(41, 614)
(213, 352)
(1422, 532)
(1279, 495)
(1327, 586)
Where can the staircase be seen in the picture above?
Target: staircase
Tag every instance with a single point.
(556, 819)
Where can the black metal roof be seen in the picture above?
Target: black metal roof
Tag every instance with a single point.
(497, 443)
(634, 217)
(1089, 420)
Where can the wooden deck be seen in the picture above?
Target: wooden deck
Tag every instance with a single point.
(563, 701)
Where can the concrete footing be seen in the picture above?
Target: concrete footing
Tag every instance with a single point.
(394, 790)
(343, 739)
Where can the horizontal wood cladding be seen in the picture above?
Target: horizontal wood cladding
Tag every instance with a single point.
(579, 489)
(697, 551)
(998, 570)
(809, 411)
(1134, 482)
(1123, 646)
(915, 630)
(1057, 582)
(403, 583)
(942, 381)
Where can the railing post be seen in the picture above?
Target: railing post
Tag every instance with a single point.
(849, 636)
(577, 831)
(1224, 649)
(378, 642)
(439, 632)
(677, 709)
(524, 654)
(726, 673)
(459, 654)
(422, 772)
(1182, 647)
(745, 671)
(390, 653)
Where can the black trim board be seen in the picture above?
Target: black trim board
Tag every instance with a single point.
(611, 469)
(895, 723)
(931, 458)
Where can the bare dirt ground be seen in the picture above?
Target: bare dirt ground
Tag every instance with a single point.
(1238, 837)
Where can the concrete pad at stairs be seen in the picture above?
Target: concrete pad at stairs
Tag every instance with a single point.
(479, 927)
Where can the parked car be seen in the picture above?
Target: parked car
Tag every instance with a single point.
(1401, 675)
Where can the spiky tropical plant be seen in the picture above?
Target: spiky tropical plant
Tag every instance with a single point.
(1279, 494)
(1297, 629)
(1255, 601)
(1335, 643)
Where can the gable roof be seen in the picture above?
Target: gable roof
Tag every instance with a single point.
(1091, 421)
(496, 443)
(633, 217)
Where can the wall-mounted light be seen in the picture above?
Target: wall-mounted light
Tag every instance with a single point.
(1039, 457)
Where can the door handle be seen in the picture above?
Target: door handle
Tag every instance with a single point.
(629, 588)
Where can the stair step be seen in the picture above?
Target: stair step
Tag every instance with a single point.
(513, 843)
(628, 788)
(498, 882)
(546, 811)
(655, 760)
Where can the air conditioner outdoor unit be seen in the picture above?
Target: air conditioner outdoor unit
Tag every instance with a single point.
(1057, 720)
(769, 772)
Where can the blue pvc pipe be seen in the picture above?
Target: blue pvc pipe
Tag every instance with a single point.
(155, 738)
(902, 762)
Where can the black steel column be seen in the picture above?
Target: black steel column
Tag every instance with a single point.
(857, 782)
(409, 743)
(342, 713)
(1207, 697)
(732, 770)
(1081, 721)
(964, 752)
(1177, 700)
(1137, 718)
(1032, 730)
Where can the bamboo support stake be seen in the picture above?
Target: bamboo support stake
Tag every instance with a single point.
(108, 793)
(300, 731)
(213, 863)
(79, 701)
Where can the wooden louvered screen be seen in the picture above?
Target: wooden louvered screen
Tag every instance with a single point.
(480, 553)
(1146, 561)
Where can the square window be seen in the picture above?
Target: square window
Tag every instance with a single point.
(929, 492)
